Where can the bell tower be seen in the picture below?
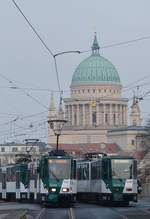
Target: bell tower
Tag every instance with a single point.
(135, 116)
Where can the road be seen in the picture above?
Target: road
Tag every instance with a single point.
(140, 210)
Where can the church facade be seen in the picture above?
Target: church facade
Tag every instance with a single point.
(95, 105)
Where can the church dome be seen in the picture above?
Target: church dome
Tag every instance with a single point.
(95, 70)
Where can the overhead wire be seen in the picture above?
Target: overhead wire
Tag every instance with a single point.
(23, 91)
(120, 43)
(43, 43)
(33, 28)
(54, 55)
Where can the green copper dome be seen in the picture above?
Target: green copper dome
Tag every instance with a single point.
(95, 70)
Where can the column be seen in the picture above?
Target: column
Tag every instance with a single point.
(110, 114)
(73, 115)
(70, 114)
(126, 116)
(125, 121)
(97, 114)
(116, 115)
(120, 114)
(83, 108)
(104, 111)
(78, 115)
(90, 114)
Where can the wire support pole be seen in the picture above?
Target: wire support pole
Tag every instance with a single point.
(57, 76)
(57, 142)
(71, 51)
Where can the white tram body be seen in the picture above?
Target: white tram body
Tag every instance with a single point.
(107, 179)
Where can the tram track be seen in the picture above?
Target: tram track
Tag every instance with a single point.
(41, 214)
(119, 214)
(71, 214)
(138, 214)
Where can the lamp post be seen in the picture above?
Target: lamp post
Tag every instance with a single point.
(57, 125)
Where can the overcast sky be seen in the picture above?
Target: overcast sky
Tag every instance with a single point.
(65, 25)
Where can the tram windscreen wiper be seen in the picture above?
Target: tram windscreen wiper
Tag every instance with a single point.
(53, 174)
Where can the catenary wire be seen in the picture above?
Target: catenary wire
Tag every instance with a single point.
(23, 91)
(111, 45)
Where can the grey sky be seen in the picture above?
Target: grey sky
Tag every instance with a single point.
(65, 25)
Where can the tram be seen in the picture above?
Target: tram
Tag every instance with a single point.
(50, 180)
(57, 173)
(107, 179)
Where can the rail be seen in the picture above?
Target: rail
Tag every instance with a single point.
(71, 214)
(40, 215)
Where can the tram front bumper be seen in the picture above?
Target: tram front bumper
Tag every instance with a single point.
(118, 197)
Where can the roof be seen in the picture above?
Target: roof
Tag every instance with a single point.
(85, 148)
(128, 128)
(95, 70)
(136, 154)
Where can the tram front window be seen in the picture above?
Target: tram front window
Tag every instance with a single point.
(59, 169)
(122, 168)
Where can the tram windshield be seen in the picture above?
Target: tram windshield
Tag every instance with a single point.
(122, 168)
(59, 169)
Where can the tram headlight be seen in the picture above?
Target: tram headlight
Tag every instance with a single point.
(53, 189)
(65, 189)
(129, 189)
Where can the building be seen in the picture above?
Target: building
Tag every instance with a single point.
(96, 111)
(9, 151)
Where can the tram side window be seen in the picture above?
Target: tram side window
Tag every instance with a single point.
(95, 170)
(31, 172)
(13, 174)
(73, 169)
(8, 174)
(83, 172)
(135, 169)
(105, 169)
(43, 169)
(17, 179)
(0, 175)
(3, 180)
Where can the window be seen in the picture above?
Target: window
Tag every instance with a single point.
(2, 149)
(83, 171)
(33, 149)
(14, 149)
(132, 142)
(114, 119)
(106, 118)
(122, 168)
(95, 170)
(94, 118)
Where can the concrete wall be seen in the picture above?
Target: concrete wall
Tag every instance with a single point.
(146, 190)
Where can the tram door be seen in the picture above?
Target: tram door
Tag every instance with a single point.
(17, 184)
(4, 183)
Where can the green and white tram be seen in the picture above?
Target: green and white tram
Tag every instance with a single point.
(51, 180)
(108, 179)
(18, 181)
(57, 172)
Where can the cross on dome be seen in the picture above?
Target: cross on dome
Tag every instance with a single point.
(95, 46)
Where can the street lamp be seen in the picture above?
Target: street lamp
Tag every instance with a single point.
(57, 125)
